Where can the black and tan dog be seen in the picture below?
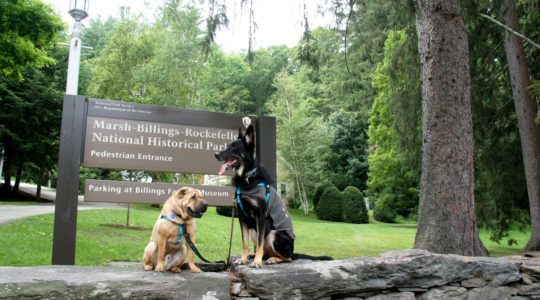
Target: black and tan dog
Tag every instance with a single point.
(166, 249)
(261, 212)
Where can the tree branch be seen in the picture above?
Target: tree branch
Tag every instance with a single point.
(511, 30)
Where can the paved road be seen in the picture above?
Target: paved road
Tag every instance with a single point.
(10, 213)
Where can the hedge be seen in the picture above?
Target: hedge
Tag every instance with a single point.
(319, 191)
(354, 206)
(330, 205)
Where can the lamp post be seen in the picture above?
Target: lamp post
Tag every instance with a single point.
(78, 10)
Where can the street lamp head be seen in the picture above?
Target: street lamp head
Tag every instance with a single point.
(78, 9)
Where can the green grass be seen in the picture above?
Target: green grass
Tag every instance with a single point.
(27, 242)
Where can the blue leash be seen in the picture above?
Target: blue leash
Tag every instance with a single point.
(239, 191)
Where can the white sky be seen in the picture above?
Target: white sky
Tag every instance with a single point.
(279, 21)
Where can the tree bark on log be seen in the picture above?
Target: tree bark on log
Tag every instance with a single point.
(526, 112)
(447, 219)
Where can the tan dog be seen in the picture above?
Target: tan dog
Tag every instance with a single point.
(164, 251)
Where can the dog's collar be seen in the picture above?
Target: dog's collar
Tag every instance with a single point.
(251, 173)
(173, 218)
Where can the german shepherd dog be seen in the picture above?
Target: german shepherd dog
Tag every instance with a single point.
(261, 212)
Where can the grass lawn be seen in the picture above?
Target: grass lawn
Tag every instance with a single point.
(28, 242)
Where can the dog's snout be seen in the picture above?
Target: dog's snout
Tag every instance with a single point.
(204, 205)
(216, 155)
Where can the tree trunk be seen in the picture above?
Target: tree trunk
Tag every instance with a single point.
(41, 174)
(7, 178)
(526, 112)
(446, 220)
(295, 163)
(18, 179)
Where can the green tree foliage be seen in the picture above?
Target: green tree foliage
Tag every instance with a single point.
(330, 208)
(393, 180)
(30, 119)
(96, 36)
(354, 206)
(223, 84)
(174, 71)
(347, 159)
(302, 135)
(267, 63)
(119, 72)
(28, 30)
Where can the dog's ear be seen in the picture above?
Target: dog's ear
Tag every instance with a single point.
(250, 135)
(182, 192)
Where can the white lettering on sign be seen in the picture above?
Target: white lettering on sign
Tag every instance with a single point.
(149, 191)
(158, 129)
(132, 192)
(206, 133)
(101, 124)
(109, 131)
(116, 139)
(105, 188)
(107, 154)
(214, 193)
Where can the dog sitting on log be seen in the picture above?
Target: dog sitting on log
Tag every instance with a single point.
(261, 212)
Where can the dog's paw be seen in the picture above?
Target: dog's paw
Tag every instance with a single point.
(176, 269)
(195, 270)
(256, 264)
(273, 260)
(241, 261)
(160, 268)
(148, 267)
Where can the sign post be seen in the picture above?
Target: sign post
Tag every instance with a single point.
(131, 136)
(69, 160)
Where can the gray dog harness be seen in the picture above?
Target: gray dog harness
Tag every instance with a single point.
(275, 208)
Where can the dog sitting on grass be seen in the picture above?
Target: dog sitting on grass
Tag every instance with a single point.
(166, 250)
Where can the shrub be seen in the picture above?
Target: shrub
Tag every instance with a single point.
(330, 206)
(319, 191)
(354, 206)
(383, 211)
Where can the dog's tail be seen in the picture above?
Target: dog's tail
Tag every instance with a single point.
(296, 256)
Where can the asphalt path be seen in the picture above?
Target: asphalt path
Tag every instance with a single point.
(10, 213)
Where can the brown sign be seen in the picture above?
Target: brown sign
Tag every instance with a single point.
(140, 192)
(122, 135)
(143, 145)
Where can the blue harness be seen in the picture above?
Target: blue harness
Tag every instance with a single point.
(181, 230)
(180, 227)
(239, 191)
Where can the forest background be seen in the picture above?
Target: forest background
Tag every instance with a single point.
(347, 97)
